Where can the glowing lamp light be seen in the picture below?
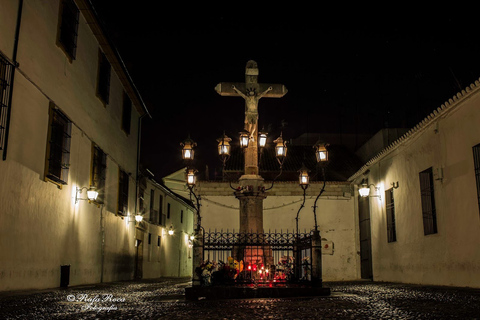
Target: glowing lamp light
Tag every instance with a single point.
(187, 151)
(303, 178)
(321, 151)
(364, 191)
(191, 179)
(262, 139)
(224, 146)
(170, 231)
(92, 193)
(138, 218)
(244, 139)
(280, 149)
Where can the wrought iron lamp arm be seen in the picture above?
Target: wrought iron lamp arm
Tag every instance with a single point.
(315, 204)
(301, 206)
(275, 179)
(196, 207)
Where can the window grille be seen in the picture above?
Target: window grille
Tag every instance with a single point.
(123, 193)
(103, 83)
(428, 202)
(69, 27)
(476, 164)
(58, 147)
(6, 74)
(126, 113)
(99, 167)
(390, 210)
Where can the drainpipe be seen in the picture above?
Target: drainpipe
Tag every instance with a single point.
(139, 136)
(15, 65)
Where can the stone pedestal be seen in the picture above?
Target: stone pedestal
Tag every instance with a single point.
(316, 259)
(197, 256)
(251, 194)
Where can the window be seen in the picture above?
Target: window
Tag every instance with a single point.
(158, 241)
(476, 164)
(428, 202)
(153, 212)
(181, 216)
(67, 34)
(390, 210)
(168, 210)
(149, 238)
(6, 74)
(58, 147)
(99, 166)
(126, 113)
(123, 193)
(103, 80)
(160, 210)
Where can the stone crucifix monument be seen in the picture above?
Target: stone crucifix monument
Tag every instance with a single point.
(252, 192)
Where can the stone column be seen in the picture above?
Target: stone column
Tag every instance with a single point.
(316, 259)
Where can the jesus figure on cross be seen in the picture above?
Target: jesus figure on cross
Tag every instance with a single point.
(251, 107)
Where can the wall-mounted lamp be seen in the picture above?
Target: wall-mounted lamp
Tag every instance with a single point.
(138, 218)
(394, 185)
(92, 194)
(364, 190)
(171, 231)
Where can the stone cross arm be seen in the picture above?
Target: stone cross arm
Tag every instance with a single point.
(226, 89)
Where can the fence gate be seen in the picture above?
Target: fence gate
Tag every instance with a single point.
(270, 258)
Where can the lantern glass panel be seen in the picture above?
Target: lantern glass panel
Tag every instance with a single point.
(364, 191)
(244, 140)
(262, 140)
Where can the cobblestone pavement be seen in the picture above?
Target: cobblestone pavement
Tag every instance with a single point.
(164, 299)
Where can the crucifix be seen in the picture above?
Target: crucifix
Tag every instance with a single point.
(251, 191)
(252, 92)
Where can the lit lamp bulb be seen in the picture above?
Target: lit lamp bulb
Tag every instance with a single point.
(92, 194)
(224, 146)
(364, 191)
(280, 149)
(262, 139)
(303, 178)
(244, 139)
(138, 218)
(170, 231)
(191, 177)
(321, 151)
(187, 150)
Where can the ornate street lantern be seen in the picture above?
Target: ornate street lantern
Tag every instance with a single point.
(244, 139)
(191, 179)
(364, 190)
(280, 149)
(188, 151)
(321, 151)
(92, 193)
(262, 139)
(224, 146)
(138, 218)
(171, 231)
(303, 178)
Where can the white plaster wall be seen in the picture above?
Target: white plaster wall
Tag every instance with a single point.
(450, 257)
(41, 227)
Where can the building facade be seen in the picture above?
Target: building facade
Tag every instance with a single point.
(423, 208)
(70, 120)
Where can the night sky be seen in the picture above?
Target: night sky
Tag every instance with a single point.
(344, 73)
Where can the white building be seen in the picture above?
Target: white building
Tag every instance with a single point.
(70, 119)
(422, 217)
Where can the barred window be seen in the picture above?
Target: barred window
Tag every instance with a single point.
(103, 81)
(58, 146)
(153, 212)
(6, 74)
(476, 165)
(99, 166)
(126, 113)
(67, 34)
(428, 202)
(390, 210)
(123, 193)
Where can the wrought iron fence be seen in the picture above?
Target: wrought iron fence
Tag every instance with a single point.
(272, 258)
(6, 73)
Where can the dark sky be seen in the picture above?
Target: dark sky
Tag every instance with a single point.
(344, 73)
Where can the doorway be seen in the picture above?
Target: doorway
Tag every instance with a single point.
(365, 238)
